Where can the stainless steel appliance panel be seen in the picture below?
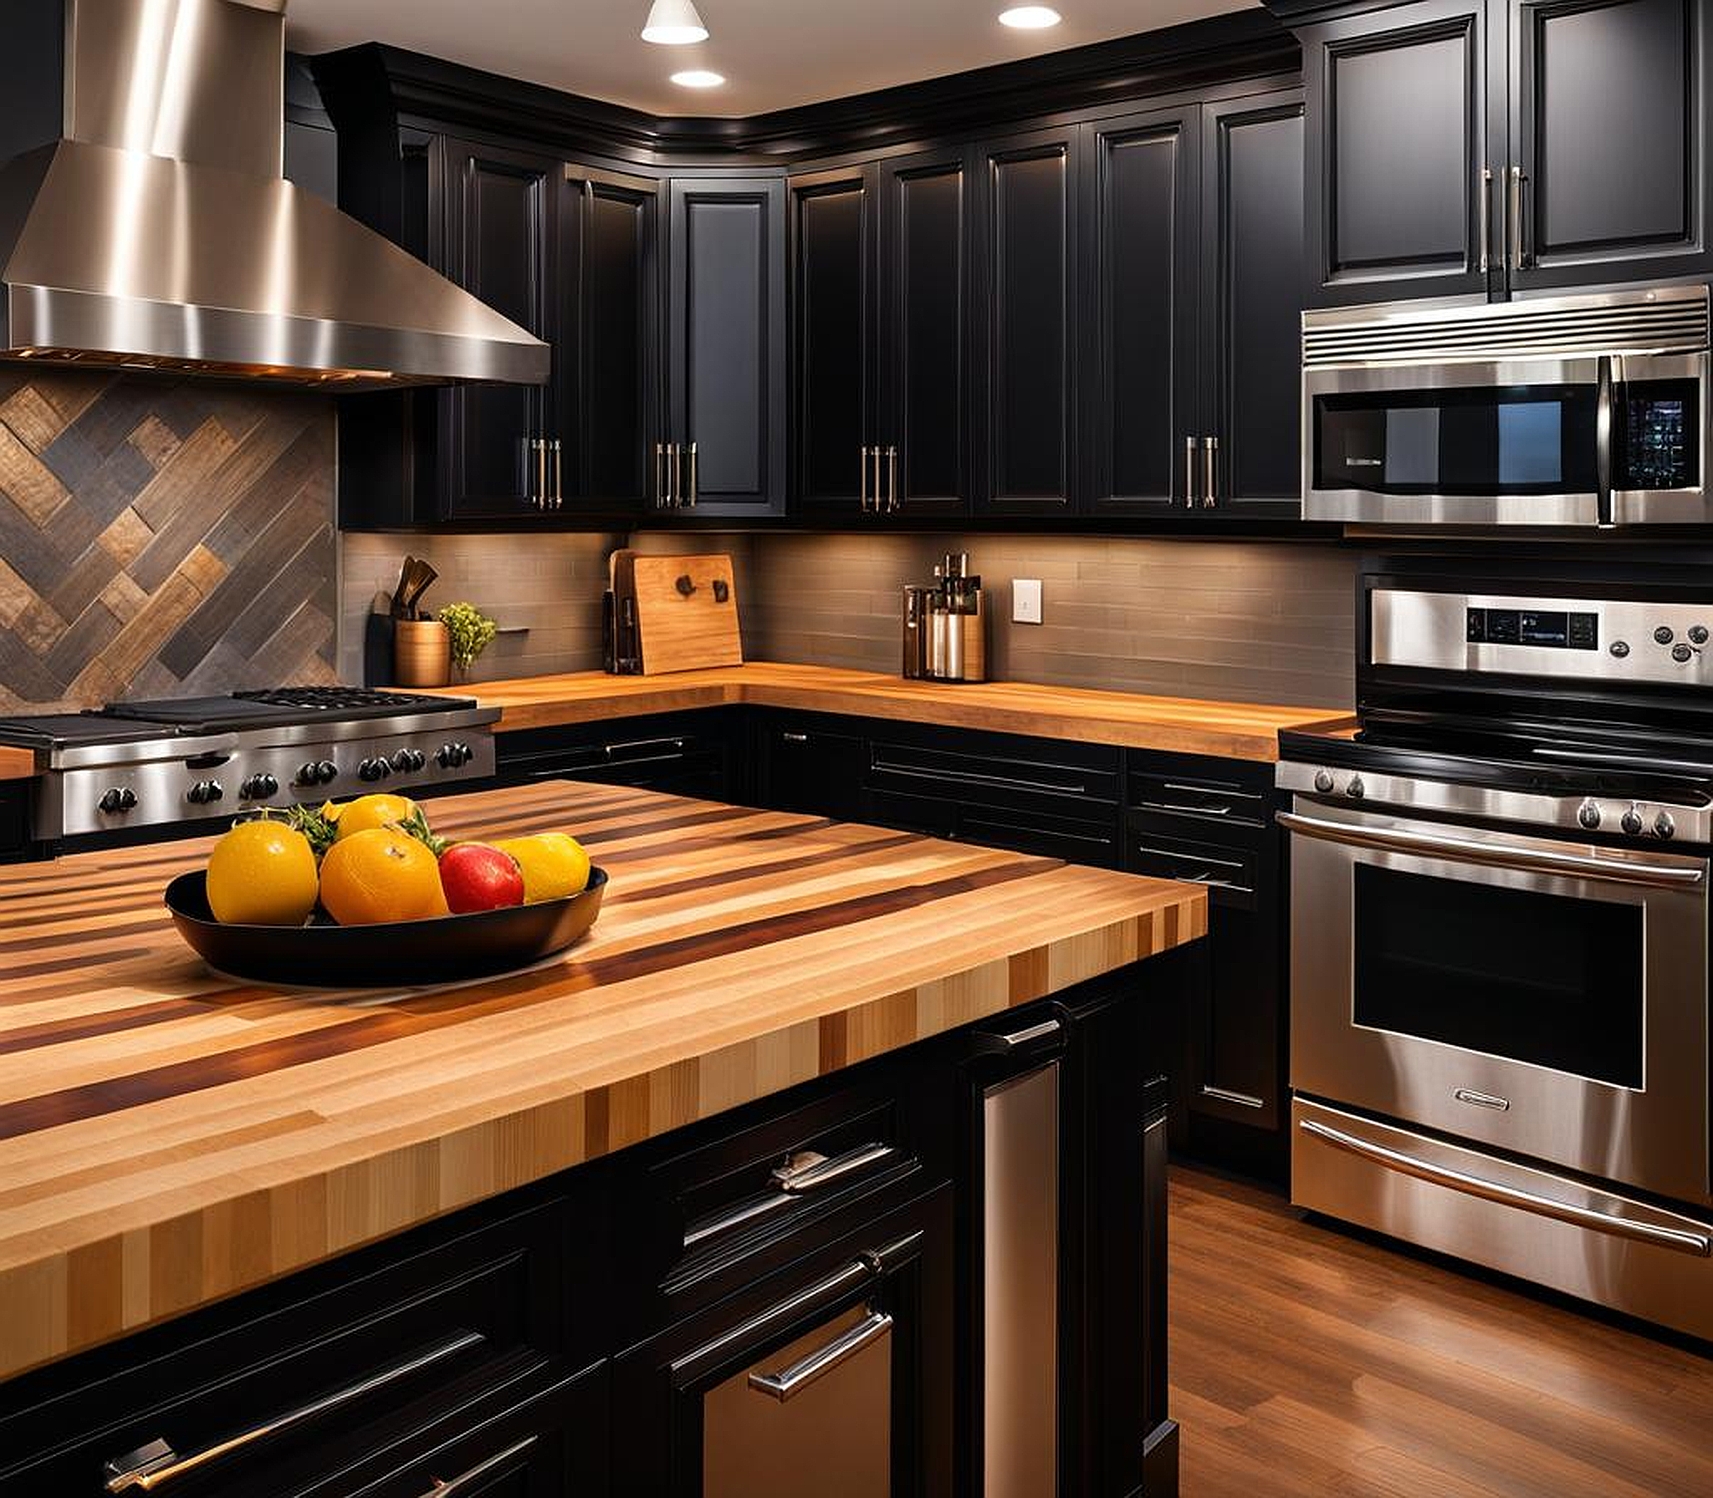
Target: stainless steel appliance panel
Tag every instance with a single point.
(1630, 1103)
(1546, 1228)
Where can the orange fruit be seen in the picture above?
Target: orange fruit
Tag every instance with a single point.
(262, 874)
(380, 875)
(368, 812)
(554, 865)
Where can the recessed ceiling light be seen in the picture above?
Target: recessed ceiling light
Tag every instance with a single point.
(1030, 17)
(698, 78)
(674, 23)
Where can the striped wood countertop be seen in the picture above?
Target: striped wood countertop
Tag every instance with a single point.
(168, 1136)
(1179, 725)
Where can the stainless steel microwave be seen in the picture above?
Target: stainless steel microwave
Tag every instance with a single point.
(1576, 411)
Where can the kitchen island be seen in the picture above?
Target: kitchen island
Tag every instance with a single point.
(169, 1138)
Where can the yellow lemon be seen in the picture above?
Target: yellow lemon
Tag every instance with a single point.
(554, 865)
(262, 874)
(368, 812)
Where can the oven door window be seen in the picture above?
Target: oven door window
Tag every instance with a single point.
(1519, 440)
(1545, 979)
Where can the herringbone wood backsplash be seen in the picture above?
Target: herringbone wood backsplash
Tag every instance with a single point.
(161, 538)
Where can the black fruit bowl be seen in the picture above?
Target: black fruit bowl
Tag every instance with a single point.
(401, 954)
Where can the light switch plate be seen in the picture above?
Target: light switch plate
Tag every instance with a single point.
(1025, 600)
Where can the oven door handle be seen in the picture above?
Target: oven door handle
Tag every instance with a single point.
(1527, 860)
(1698, 1244)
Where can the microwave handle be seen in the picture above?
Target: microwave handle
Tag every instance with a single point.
(1603, 445)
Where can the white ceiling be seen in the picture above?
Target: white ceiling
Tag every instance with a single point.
(773, 53)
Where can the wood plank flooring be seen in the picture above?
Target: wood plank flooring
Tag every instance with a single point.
(1309, 1362)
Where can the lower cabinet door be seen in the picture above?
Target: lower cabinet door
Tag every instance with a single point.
(832, 1378)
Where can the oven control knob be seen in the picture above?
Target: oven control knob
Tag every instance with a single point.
(1698, 634)
(1589, 815)
(1663, 825)
(454, 756)
(259, 788)
(307, 774)
(1664, 635)
(1681, 653)
(1356, 790)
(408, 759)
(205, 792)
(120, 798)
(1619, 648)
(373, 770)
(326, 772)
(1323, 781)
(1633, 823)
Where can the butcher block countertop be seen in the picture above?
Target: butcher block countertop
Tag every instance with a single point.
(168, 1137)
(1178, 725)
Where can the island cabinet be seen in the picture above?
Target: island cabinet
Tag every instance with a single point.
(1490, 148)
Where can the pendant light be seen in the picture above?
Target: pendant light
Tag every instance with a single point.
(674, 23)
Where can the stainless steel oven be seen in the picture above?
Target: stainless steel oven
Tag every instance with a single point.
(1577, 411)
(1520, 989)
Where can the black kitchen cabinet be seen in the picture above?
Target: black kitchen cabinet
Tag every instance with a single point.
(688, 754)
(1025, 327)
(810, 763)
(1252, 268)
(1141, 310)
(835, 320)
(16, 814)
(726, 347)
(1491, 147)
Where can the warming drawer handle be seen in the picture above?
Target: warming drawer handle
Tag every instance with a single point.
(452, 1486)
(1698, 1244)
(791, 1381)
(1535, 861)
(151, 1467)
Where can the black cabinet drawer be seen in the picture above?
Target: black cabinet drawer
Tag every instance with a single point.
(1232, 874)
(1195, 800)
(810, 764)
(1075, 841)
(1016, 775)
(411, 1338)
(687, 755)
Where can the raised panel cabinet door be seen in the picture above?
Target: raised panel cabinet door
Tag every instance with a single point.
(503, 249)
(926, 299)
(1400, 114)
(835, 321)
(1608, 128)
(1026, 322)
(727, 343)
(1140, 309)
(1252, 248)
(609, 409)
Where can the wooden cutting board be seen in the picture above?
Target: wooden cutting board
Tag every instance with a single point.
(686, 613)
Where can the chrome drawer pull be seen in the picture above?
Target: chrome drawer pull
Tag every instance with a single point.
(153, 1466)
(791, 1381)
(1528, 860)
(809, 1171)
(795, 738)
(1226, 1095)
(455, 1485)
(1698, 1244)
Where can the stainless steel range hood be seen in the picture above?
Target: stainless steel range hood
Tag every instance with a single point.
(158, 230)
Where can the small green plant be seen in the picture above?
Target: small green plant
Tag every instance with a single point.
(472, 632)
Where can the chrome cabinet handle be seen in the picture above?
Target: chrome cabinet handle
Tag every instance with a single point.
(678, 475)
(1006, 1043)
(540, 445)
(660, 475)
(879, 506)
(1698, 1244)
(1210, 472)
(862, 480)
(452, 1486)
(795, 738)
(690, 503)
(1190, 472)
(1226, 1095)
(892, 480)
(1527, 860)
(791, 1381)
(558, 475)
(809, 1171)
(1484, 220)
(1514, 216)
(151, 1467)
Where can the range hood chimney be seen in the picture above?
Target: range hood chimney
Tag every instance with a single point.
(145, 220)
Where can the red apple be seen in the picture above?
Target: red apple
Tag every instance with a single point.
(477, 876)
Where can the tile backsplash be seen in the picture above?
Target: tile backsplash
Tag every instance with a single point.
(161, 538)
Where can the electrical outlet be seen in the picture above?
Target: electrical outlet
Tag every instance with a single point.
(1025, 600)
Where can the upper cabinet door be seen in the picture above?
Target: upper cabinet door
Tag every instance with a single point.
(1140, 317)
(726, 342)
(1025, 324)
(835, 239)
(1252, 274)
(503, 242)
(1607, 130)
(1398, 199)
(924, 361)
(609, 403)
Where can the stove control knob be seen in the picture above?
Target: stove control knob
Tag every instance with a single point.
(408, 759)
(1698, 634)
(326, 772)
(1323, 781)
(1356, 790)
(120, 798)
(454, 756)
(1664, 635)
(374, 769)
(1681, 653)
(1589, 815)
(1663, 825)
(259, 788)
(206, 792)
(1619, 648)
(1633, 823)
(307, 774)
